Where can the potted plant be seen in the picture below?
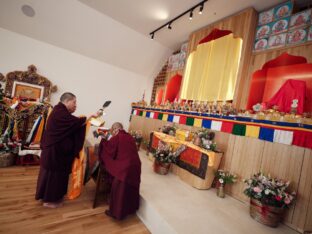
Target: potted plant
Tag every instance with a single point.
(137, 135)
(8, 151)
(164, 156)
(169, 130)
(204, 138)
(269, 197)
(223, 178)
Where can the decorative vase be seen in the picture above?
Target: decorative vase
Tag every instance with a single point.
(161, 167)
(267, 215)
(220, 191)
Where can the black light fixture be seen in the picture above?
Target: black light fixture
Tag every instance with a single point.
(169, 26)
(201, 9)
(191, 15)
(169, 23)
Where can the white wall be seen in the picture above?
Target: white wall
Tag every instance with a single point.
(92, 81)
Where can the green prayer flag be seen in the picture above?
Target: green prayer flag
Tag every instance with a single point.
(239, 129)
(189, 121)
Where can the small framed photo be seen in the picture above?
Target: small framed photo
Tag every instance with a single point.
(266, 17)
(280, 26)
(26, 90)
(310, 34)
(283, 10)
(297, 36)
(261, 44)
(277, 40)
(263, 31)
(300, 19)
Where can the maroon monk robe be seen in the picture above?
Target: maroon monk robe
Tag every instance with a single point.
(62, 140)
(121, 160)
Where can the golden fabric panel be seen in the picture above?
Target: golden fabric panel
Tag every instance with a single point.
(211, 70)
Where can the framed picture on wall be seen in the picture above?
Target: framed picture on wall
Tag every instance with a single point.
(263, 31)
(283, 10)
(277, 40)
(266, 17)
(280, 26)
(26, 90)
(297, 36)
(300, 19)
(261, 44)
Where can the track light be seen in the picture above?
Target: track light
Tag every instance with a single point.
(201, 9)
(190, 11)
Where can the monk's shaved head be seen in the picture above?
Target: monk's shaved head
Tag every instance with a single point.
(117, 125)
(67, 97)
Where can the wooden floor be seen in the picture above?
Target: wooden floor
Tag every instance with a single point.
(21, 213)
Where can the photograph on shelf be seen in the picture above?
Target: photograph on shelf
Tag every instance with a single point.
(261, 44)
(263, 31)
(310, 34)
(297, 36)
(280, 26)
(277, 41)
(300, 19)
(283, 10)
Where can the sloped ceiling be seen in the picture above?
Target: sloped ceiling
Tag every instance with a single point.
(74, 26)
(144, 16)
(117, 31)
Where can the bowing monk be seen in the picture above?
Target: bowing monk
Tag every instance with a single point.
(121, 160)
(61, 143)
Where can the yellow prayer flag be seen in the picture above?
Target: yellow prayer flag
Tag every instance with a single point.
(198, 122)
(252, 131)
(165, 117)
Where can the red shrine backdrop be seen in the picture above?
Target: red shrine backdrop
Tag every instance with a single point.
(274, 74)
(159, 96)
(173, 88)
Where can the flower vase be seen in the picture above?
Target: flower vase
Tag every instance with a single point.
(220, 191)
(265, 214)
(161, 167)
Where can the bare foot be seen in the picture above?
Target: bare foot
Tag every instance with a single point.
(53, 205)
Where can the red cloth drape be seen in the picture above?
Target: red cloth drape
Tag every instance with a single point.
(291, 89)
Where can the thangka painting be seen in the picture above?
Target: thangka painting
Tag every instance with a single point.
(277, 40)
(310, 34)
(283, 10)
(297, 36)
(266, 17)
(261, 44)
(280, 26)
(263, 31)
(301, 19)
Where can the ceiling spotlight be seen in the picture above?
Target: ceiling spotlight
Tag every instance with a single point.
(201, 9)
(152, 36)
(191, 14)
(28, 11)
(169, 26)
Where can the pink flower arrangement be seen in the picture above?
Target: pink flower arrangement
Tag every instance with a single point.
(269, 191)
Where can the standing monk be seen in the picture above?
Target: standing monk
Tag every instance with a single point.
(61, 142)
(121, 160)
